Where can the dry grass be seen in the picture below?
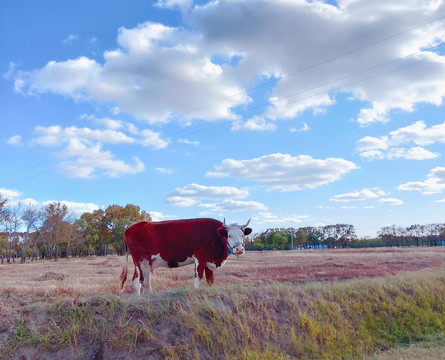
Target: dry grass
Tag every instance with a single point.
(263, 305)
(100, 275)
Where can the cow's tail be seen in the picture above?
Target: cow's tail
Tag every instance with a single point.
(124, 273)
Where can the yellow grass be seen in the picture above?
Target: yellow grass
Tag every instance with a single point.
(100, 275)
(264, 305)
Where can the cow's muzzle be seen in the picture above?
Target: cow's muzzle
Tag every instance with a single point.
(237, 249)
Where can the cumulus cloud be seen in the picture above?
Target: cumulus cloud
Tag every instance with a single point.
(191, 194)
(76, 208)
(181, 201)
(304, 128)
(158, 216)
(338, 53)
(188, 142)
(9, 194)
(364, 194)
(232, 206)
(15, 197)
(256, 123)
(70, 39)
(81, 148)
(197, 191)
(391, 201)
(156, 73)
(15, 140)
(285, 172)
(56, 135)
(393, 145)
(164, 170)
(433, 184)
(171, 4)
(84, 147)
(159, 73)
(268, 217)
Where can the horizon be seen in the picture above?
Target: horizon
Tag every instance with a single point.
(293, 114)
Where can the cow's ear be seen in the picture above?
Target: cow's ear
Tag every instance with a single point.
(247, 231)
(222, 231)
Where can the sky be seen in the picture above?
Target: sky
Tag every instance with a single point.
(291, 112)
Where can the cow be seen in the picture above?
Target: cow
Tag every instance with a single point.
(204, 242)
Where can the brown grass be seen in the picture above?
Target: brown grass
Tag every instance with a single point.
(100, 275)
(264, 305)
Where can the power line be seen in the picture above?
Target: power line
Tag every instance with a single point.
(207, 126)
(315, 65)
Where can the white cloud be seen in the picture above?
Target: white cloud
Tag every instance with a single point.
(390, 146)
(188, 142)
(303, 82)
(158, 216)
(191, 194)
(70, 39)
(439, 172)
(232, 206)
(159, 73)
(164, 170)
(108, 123)
(15, 140)
(153, 139)
(181, 201)
(256, 123)
(285, 172)
(305, 128)
(9, 194)
(171, 4)
(82, 148)
(77, 208)
(391, 201)
(56, 135)
(432, 185)
(92, 159)
(364, 194)
(267, 217)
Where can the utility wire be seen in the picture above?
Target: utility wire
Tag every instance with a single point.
(207, 126)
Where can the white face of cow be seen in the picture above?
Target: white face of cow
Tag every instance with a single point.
(235, 237)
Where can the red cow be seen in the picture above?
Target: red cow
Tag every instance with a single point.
(205, 242)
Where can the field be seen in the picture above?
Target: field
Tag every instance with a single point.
(327, 304)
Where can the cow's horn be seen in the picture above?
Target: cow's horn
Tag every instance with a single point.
(247, 223)
(225, 222)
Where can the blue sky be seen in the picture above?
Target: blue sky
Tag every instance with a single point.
(294, 113)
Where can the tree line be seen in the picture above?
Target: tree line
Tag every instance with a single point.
(50, 232)
(343, 235)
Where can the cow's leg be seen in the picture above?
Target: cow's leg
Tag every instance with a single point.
(136, 280)
(210, 278)
(199, 271)
(146, 269)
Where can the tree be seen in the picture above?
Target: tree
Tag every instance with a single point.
(55, 231)
(30, 216)
(300, 238)
(13, 223)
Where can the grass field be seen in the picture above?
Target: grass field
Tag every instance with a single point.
(330, 304)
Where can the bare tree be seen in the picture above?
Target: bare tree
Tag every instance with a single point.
(30, 216)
